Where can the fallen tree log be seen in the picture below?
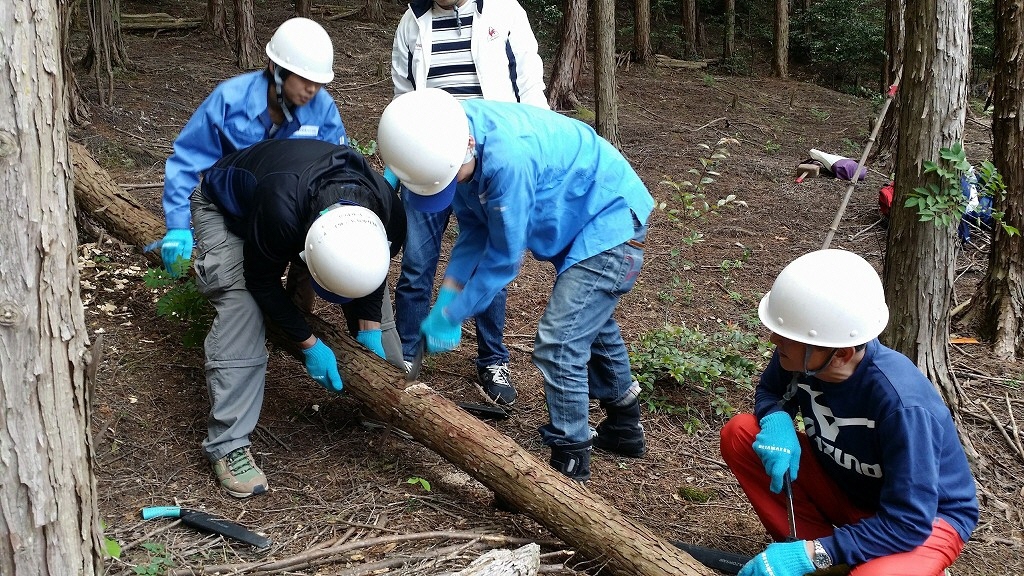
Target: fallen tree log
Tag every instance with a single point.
(666, 62)
(97, 195)
(568, 509)
(524, 561)
(158, 21)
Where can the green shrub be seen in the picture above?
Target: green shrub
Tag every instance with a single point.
(845, 38)
(688, 357)
(181, 300)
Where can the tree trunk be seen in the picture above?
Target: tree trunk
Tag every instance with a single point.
(642, 50)
(48, 520)
(217, 19)
(729, 42)
(248, 55)
(688, 28)
(304, 8)
(919, 258)
(373, 11)
(570, 58)
(895, 32)
(1003, 285)
(607, 116)
(107, 50)
(566, 508)
(78, 112)
(780, 61)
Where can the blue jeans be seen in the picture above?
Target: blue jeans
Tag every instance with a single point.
(579, 349)
(416, 284)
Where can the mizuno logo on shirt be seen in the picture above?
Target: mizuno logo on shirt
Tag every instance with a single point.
(307, 131)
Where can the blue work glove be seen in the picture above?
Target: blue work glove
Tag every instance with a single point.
(371, 339)
(780, 559)
(391, 177)
(176, 250)
(441, 333)
(322, 366)
(777, 446)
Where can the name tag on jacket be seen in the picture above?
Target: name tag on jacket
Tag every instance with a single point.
(306, 131)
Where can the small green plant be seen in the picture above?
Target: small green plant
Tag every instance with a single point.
(944, 203)
(850, 147)
(820, 115)
(682, 356)
(181, 300)
(694, 494)
(709, 80)
(692, 424)
(772, 147)
(159, 560)
(421, 482)
(688, 197)
(111, 547)
(727, 266)
(365, 149)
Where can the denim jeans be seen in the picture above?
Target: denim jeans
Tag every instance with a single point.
(579, 349)
(416, 284)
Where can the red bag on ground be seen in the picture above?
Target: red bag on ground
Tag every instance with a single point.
(885, 195)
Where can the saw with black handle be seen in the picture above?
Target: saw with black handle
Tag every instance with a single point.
(208, 523)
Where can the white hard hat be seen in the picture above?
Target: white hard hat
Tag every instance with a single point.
(423, 137)
(347, 251)
(827, 298)
(303, 47)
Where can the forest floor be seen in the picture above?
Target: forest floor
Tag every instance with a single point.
(332, 473)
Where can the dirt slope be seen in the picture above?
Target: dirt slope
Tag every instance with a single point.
(332, 472)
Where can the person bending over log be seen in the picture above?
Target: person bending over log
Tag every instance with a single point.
(280, 203)
(523, 178)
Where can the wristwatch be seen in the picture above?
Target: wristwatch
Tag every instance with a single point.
(821, 559)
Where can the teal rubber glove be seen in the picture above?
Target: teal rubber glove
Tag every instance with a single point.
(777, 446)
(176, 250)
(391, 177)
(322, 366)
(441, 333)
(780, 559)
(371, 339)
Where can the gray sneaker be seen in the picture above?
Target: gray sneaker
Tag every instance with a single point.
(239, 475)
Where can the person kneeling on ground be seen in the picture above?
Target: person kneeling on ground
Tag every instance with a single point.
(884, 486)
(300, 202)
(523, 178)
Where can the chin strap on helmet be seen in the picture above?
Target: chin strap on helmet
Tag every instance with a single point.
(808, 350)
(280, 74)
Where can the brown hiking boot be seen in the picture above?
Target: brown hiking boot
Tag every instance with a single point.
(239, 475)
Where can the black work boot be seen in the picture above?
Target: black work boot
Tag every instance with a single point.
(621, 432)
(573, 460)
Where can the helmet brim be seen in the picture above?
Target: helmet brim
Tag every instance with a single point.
(327, 294)
(434, 202)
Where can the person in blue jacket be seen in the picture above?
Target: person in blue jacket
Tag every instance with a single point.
(469, 52)
(275, 204)
(880, 481)
(284, 101)
(523, 178)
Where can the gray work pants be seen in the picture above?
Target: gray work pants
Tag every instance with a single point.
(236, 351)
(236, 348)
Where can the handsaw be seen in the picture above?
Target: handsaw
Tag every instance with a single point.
(417, 361)
(208, 523)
